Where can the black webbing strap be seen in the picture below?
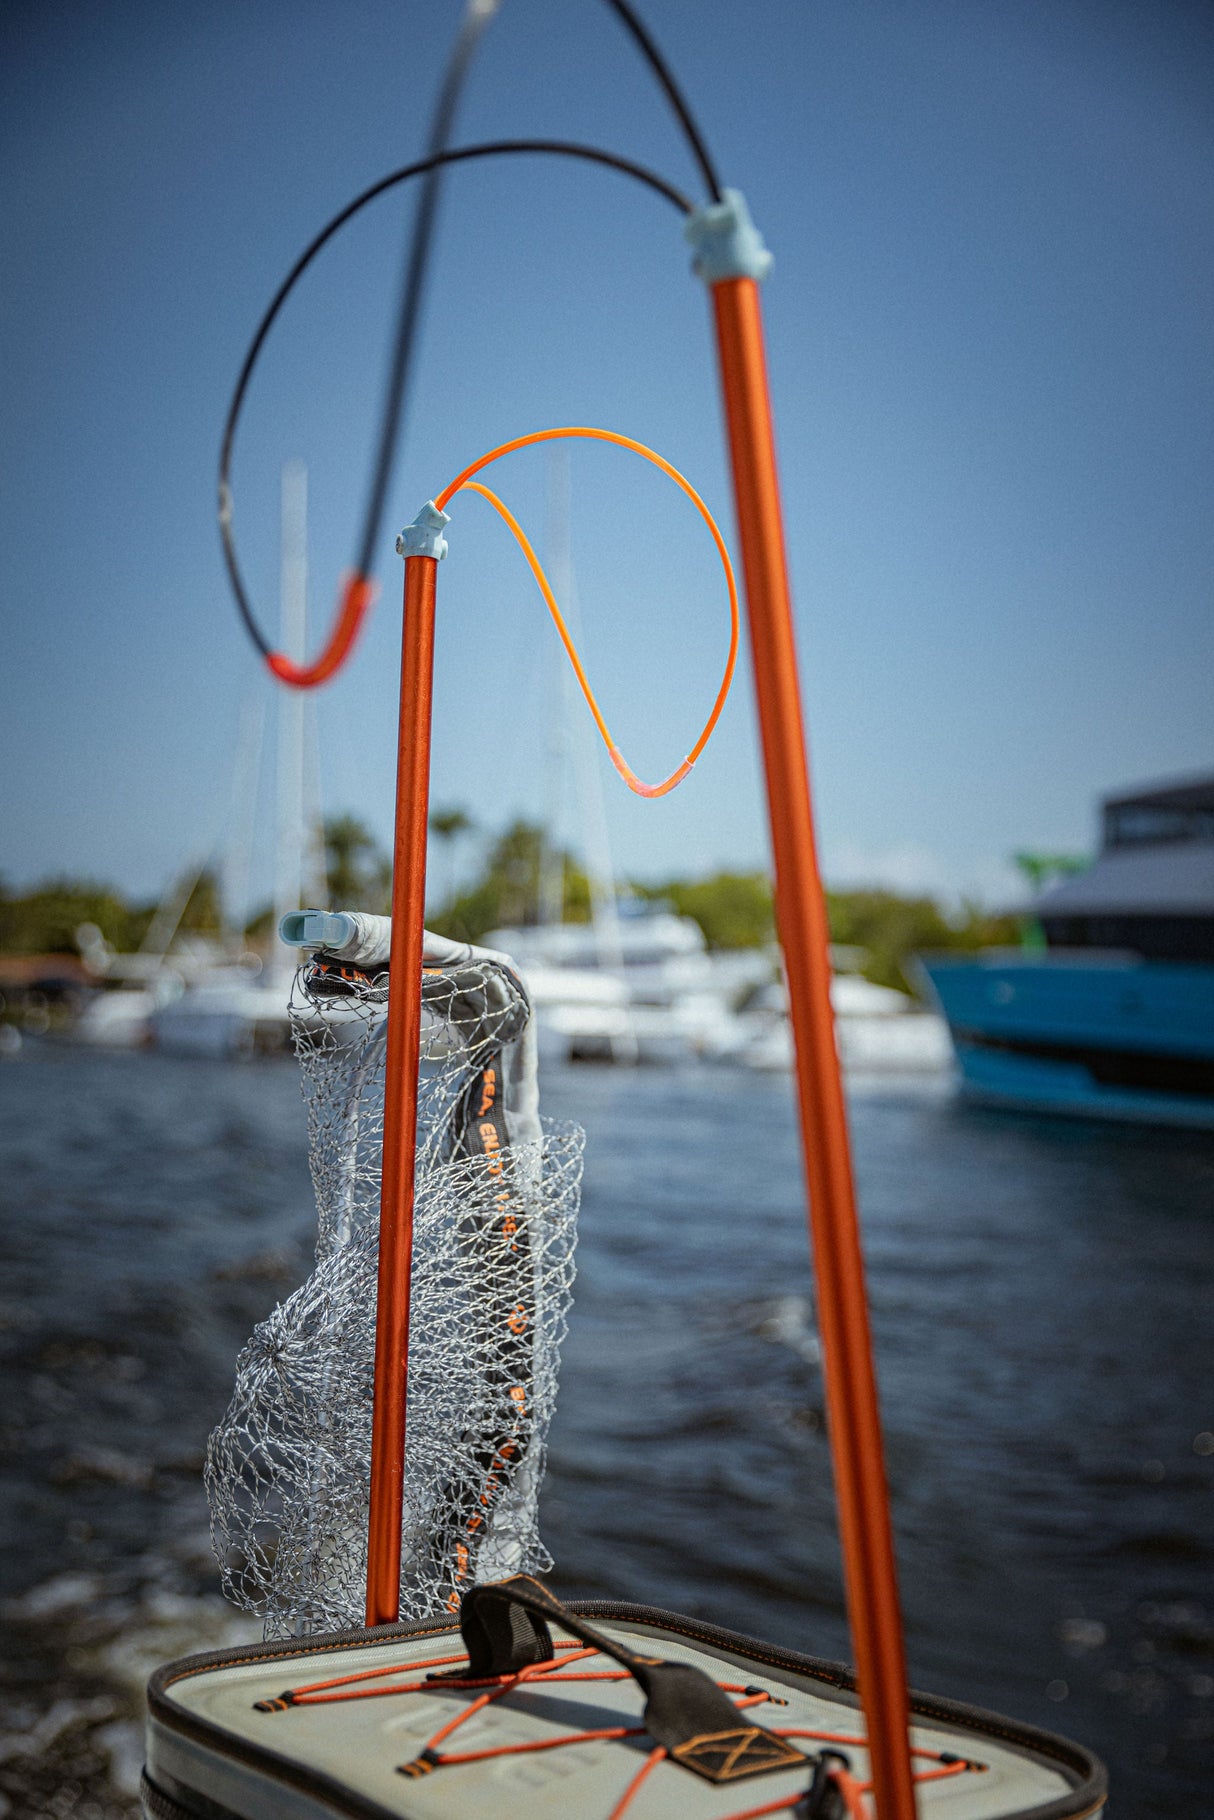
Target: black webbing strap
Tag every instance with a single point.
(505, 1629)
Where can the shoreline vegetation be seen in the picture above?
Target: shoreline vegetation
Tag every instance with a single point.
(520, 877)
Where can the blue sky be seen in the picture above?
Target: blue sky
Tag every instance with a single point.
(990, 330)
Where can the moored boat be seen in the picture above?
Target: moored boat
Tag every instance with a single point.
(1112, 1014)
(879, 1031)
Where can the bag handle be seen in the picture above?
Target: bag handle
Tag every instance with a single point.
(505, 1629)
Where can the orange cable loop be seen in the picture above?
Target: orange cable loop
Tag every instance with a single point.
(359, 592)
(465, 481)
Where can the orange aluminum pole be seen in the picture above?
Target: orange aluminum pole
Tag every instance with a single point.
(851, 1388)
(400, 1094)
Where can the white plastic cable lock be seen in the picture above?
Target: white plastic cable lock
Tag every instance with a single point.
(727, 243)
(424, 537)
(350, 935)
(316, 928)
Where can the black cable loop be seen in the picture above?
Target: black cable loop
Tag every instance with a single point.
(456, 155)
(674, 94)
(477, 15)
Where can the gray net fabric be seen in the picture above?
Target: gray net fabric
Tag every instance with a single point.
(288, 1468)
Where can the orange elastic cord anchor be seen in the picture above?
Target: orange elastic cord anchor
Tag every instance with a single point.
(466, 482)
(357, 595)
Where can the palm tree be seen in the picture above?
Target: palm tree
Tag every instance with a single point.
(448, 825)
(359, 875)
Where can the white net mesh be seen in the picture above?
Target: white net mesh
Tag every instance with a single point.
(288, 1468)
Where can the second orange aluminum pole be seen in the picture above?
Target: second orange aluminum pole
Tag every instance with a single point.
(851, 1388)
(400, 1093)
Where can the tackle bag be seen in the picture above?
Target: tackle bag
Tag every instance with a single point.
(528, 1710)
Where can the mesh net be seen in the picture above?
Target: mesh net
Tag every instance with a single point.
(497, 1189)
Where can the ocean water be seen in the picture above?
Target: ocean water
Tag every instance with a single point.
(1043, 1307)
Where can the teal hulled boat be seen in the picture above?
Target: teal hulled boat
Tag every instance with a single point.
(1115, 1017)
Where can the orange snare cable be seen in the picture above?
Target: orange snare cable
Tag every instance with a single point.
(465, 482)
(558, 618)
(357, 596)
(617, 758)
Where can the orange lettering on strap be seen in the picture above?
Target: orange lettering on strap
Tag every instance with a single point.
(488, 1091)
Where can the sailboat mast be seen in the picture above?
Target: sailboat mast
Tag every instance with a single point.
(290, 837)
(600, 872)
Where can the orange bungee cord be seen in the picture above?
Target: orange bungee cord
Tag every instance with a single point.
(395, 1680)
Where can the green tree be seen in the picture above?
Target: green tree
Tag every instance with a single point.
(734, 909)
(508, 891)
(203, 913)
(358, 871)
(892, 929)
(448, 825)
(45, 920)
(1042, 869)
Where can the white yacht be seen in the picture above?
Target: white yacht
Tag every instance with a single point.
(657, 995)
(229, 1011)
(878, 1030)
